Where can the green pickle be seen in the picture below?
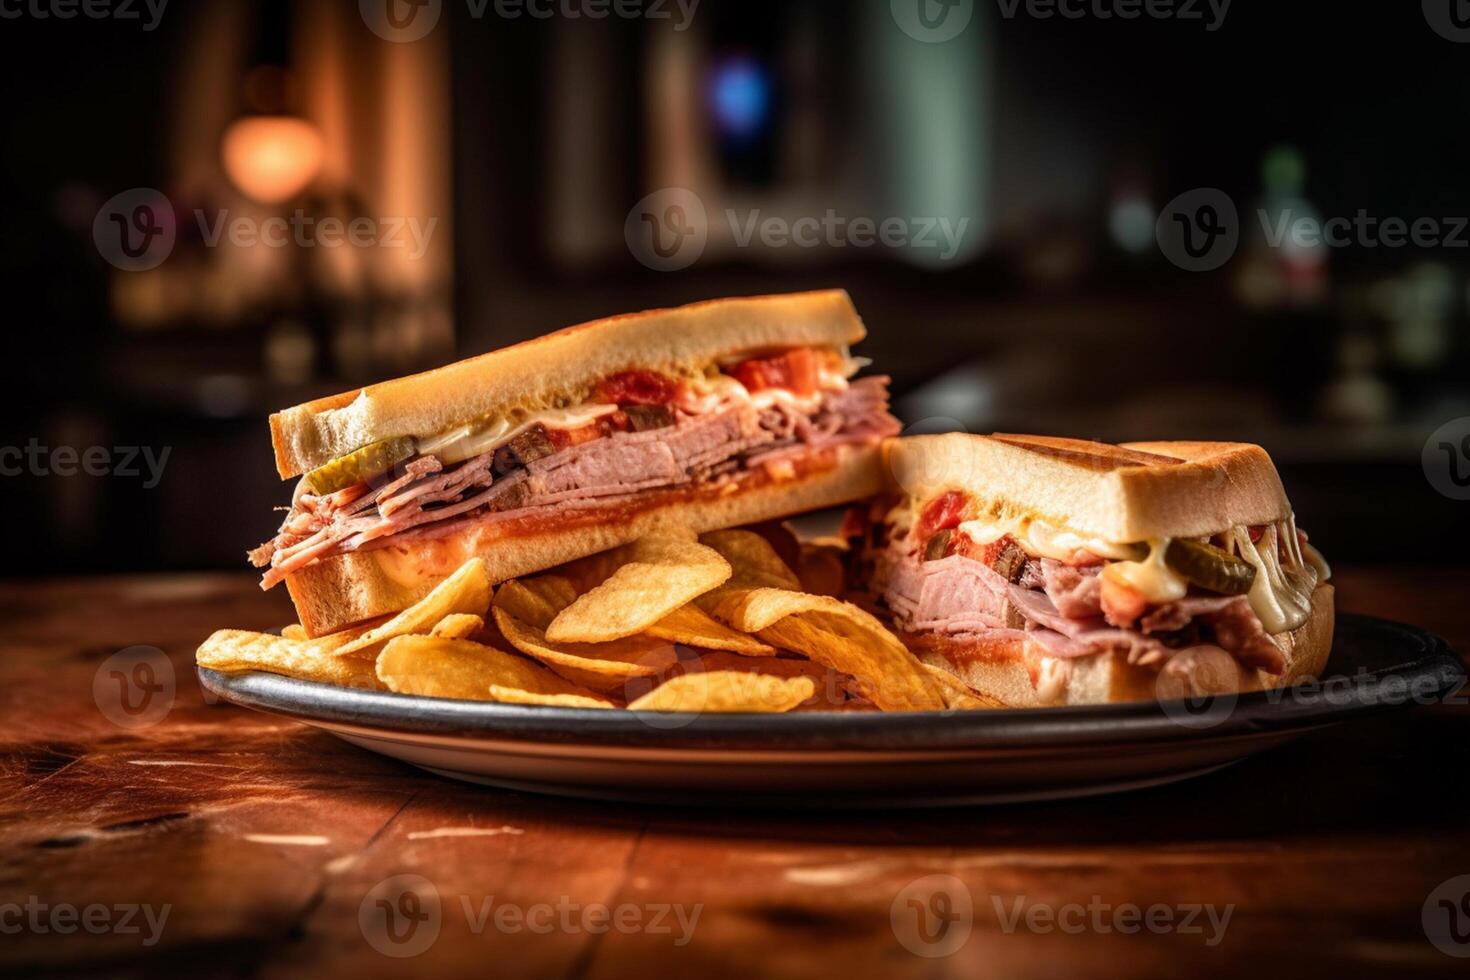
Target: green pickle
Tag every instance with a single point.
(370, 461)
(1209, 567)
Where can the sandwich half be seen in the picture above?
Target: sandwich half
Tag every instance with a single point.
(1047, 571)
(708, 416)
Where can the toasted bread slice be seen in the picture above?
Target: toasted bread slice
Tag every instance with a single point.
(1126, 493)
(557, 370)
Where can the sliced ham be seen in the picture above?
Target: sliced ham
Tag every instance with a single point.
(1060, 608)
(699, 447)
(1074, 591)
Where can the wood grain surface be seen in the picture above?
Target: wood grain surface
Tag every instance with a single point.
(264, 848)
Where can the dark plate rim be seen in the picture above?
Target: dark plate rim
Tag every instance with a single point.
(1418, 667)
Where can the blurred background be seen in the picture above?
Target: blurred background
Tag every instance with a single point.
(220, 209)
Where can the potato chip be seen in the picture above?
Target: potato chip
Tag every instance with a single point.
(844, 638)
(458, 626)
(656, 575)
(466, 591)
(437, 667)
(753, 562)
(829, 685)
(239, 650)
(696, 628)
(726, 690)
(519, 608)
(822, 570)
(511, 695)
(295, 632)
(536, 601)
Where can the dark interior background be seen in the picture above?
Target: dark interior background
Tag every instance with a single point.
(531, 139)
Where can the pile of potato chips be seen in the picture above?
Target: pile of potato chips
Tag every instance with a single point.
(667, 623)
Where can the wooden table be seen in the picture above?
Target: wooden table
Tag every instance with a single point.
(266, 841)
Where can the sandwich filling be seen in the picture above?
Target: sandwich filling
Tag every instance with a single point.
(950, 569)
(638, 433)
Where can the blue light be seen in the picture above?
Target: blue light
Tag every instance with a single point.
(740, 96)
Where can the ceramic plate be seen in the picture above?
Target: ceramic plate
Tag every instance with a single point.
(862, 759)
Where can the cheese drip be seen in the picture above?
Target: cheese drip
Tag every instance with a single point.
(1281, 596)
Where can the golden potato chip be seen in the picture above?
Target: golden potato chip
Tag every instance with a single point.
(437, 667)
(829, 685)
(821, 570)
(536, 601)
(603, 667)
(458, 626)
(726, 690)
(844, 638)
(466, 591)
(239, 650)
(656, 575)
(693, 627)
(294, 632)
(753, 562)
(512, 695)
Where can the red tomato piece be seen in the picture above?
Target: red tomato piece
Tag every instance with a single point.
(945, 511)
(796, 371)
(638, 388)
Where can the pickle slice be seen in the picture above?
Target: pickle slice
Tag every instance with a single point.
(1209, 567)
(370, 461)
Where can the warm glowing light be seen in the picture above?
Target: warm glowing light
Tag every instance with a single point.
(271, 158)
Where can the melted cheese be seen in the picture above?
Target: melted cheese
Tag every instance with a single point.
(469, 441)
(1037, 537)
(1151, 578)
(1281, 597)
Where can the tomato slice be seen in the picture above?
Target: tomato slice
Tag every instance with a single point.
(945, 511)
(638, 388)
(796, 371)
